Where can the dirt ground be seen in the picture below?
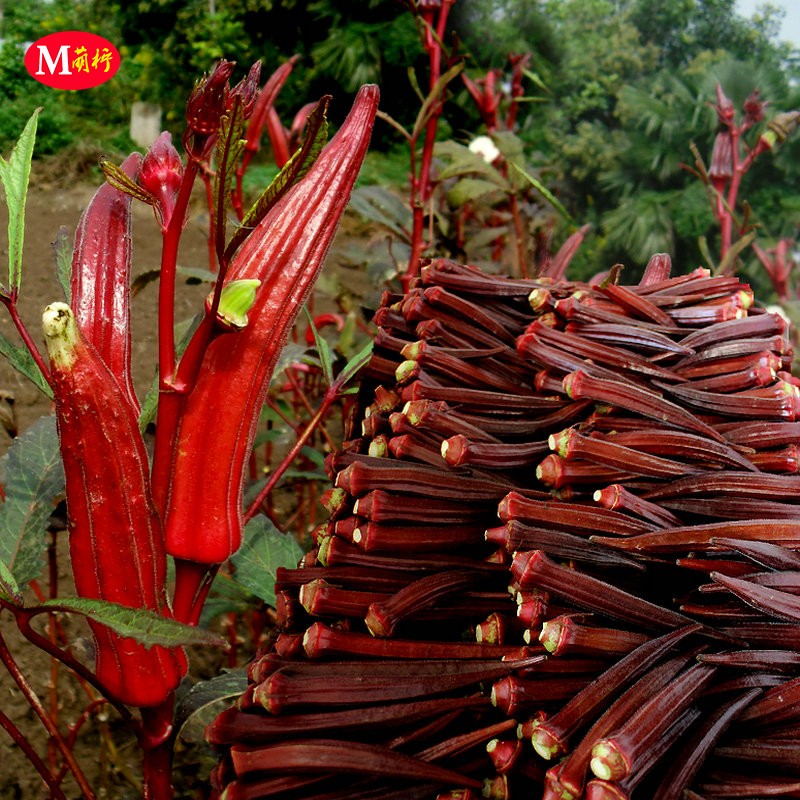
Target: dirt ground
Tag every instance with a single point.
(51, 205)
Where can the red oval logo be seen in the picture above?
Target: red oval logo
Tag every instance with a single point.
(72, 60)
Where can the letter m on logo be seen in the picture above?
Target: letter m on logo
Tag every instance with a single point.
(45, 59)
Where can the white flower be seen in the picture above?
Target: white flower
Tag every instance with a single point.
(485, 147)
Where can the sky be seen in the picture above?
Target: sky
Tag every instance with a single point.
(790, 29)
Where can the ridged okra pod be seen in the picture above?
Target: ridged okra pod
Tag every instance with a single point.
(216, 432)
(116, 541)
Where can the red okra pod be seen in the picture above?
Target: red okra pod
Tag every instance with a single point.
(769, 555)
(218, 423)
(681, 444)
(693, 537)
(616, 358)
(336, 756)
(100, 281)
(568, 778)
(565, 635)
(384, 615)
(782, 401)
(556, 473)
(580, 385)
(689, 760)
(321, 640)
(636, 304)
(513, 695)
(570, 444)
(459, 451)
(633, 336)
(515, 535)
(377, 537)
(362, 477)
(740, 508)
(476, 400)
(550, 736)
(386, 506)
(321, 599)
(568, 516)
(761, 434)
(533, 569)
(770, 601)
(116, 541)
(751, 327)
(617, 496)
(233, 725)
(471, 280)
(615, 757)
(729, 483)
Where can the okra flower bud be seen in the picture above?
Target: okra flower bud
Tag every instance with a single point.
(161, 175)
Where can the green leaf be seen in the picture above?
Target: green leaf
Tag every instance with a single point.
(145, 626)
(117, 178)
(352, 367)
(229, 148)
(62, 250)
(15, 174)
(34, 479)
(431, 102)
(468, 189)
(725, 266)
(264, 549)
(323, 349)
(293, 170)
(205, 700)
(544, 191)
(9, 588)
(20, 358)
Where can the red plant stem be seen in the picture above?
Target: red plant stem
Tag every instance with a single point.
(205, 175)
(329, 398)
(169, 400)
(155, 739)
(303, 399)
(421, 176)
(52, 632)
(23, 619)
(40, 711)
(11, 304)
(519, 237)
(32, 756)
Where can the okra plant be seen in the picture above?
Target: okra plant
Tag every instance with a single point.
(128, 511)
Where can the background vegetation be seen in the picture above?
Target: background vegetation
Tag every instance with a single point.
(616, 92)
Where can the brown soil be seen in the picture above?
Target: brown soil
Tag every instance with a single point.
(107, 754)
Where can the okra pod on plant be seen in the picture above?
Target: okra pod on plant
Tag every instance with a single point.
(218, 423)
(100, 282)
(116, 541)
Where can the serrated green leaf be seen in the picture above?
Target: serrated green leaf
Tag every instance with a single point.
(229, 148)
(117, 178)
(468, 189)
(264, 549)
(15, 175)
(145, 626)
(9, 588)
(62, 251)
(204, 701)
(293, 170)
(34, 479)
(20, 358)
